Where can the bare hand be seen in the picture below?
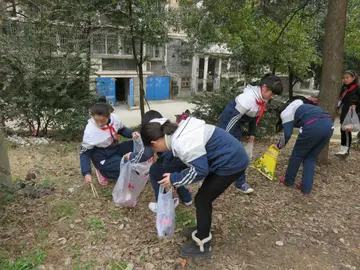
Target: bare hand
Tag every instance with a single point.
(251, 139)
(275, 146)
(88, 179)
(135, 135)
(165, 182)
(353, 107)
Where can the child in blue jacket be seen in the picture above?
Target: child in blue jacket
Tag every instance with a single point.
(248, 108)
(316, 128)
(165, 163)
(212, 155)
(101, 145)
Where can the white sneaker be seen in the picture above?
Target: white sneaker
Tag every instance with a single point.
(343, 151)
(153, 205)
(188, 204)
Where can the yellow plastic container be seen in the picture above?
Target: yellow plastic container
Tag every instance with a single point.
(267, 163)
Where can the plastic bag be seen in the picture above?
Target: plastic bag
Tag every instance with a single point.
(131, 182)
(165, 213)
(249, 148)
(351, 122)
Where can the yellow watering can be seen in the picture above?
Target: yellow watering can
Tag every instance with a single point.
(267, 163)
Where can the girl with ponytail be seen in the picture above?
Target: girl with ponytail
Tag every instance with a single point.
(212, 155)
(316, 128)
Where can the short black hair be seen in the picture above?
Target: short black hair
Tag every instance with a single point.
(100, 109)
(150, 115)
(273, 82)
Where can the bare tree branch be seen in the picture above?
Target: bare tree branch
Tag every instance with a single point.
(291, 18)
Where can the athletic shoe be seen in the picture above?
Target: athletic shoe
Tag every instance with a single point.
(188, 204)
(282, 181)
(101, 179)
(153, 205)
(344, 150)
(246, 189)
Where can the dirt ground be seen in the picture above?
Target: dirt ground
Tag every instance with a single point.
(274, 228)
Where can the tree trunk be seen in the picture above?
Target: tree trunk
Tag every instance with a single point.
(291, 78)
(333, 60)
(4, 159)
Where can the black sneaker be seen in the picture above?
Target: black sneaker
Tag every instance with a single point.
(192, 250)
(187, 232)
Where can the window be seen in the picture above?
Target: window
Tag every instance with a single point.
(154, 52)
(185, 82)
(105, 43)
(99, 43)
(127, 46)
(112, 45)
(118, 64)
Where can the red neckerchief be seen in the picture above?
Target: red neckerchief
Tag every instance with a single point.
(262, 110)
(347, 91)
(112, 130)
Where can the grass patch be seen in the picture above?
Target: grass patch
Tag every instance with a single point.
(48, 182)
(63, 208)
(119, 266)
(12, 145)
(184, 218)
(8, 193)
(42, 234)
(237, 226)
(95, 223)
(115, 214)
(107, 193)
(89, 265)
(29, 262)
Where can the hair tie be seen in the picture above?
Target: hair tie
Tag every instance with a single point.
(351, 72)
(161, 121)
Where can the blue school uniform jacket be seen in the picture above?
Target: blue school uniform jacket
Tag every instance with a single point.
(206, 149)
(244, 109)
(100, 147)
(297, 114)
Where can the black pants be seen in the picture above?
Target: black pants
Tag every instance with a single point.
(346, 138)
(213, 186)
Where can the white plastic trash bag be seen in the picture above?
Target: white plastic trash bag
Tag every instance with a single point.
(249, 148)
(131, 182)
(351, 122)
(165, 213)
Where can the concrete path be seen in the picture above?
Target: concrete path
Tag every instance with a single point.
(167, 108)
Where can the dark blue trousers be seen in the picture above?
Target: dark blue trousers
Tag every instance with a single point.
(311, 141)
(162, 166)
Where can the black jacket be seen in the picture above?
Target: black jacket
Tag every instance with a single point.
(351, 98)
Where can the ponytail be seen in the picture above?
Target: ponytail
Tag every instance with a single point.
(156, 129)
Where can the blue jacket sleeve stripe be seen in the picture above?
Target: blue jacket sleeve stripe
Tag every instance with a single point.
(198, 170)
(233, 121)
(189, 177)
